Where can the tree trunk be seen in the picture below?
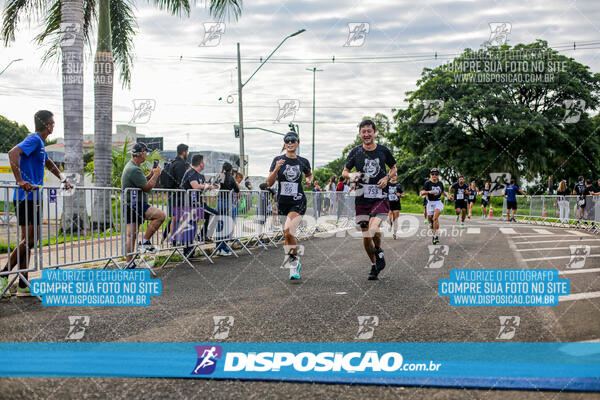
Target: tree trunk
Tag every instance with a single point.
(74, 218)
(103, 99)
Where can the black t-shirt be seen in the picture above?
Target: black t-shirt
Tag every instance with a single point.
(191, 175)
(394, 191)
(289, 177)
(486, 194)
(438, 187)
(458, 191)
(226, 182)
(580, 189)
(472, 193)
(178, 169)
(372, 164)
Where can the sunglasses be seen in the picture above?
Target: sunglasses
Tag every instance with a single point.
(290, 140)
(435, 173)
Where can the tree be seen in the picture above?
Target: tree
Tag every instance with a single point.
(513, 127)
(11, 133)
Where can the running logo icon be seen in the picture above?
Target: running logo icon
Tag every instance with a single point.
(77, 326)
(437, 255)
(223, 325)
(207, 359)
(573, 110)
(212, 34)
(366, 326)
(579, 254)
(431, 111)
(357, 34)
(500, 181)
(508, 327)
(287, 109)
(142, 110)
(68, 33)
(499, 32)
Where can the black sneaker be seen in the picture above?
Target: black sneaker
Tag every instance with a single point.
(435, 240)
(373, 273)
(379, 260)
(146, 247)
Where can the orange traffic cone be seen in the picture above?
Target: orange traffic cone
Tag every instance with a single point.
(544, 215)
(491, 215)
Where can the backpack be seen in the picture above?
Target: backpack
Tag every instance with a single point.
(166, 178)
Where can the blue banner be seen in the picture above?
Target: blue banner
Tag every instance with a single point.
(562, 366)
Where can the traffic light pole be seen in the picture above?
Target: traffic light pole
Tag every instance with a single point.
(241, 113)
(314, 71)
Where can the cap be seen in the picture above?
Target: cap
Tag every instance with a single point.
(291, 135)
(434, 170)
(139, 148)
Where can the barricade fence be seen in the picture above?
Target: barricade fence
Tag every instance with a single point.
(567, 211)
(50, 227)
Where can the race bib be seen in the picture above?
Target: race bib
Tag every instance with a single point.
(460, 196)
(471, 196)
(485, 197)
(393, 196)
(289, 188)
(373, 192)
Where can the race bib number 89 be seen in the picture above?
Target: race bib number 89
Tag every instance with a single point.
(289, 188)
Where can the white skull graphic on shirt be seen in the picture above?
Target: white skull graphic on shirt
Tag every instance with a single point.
(291, 172)
(371, 167)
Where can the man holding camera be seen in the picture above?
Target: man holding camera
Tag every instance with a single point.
(137, 208)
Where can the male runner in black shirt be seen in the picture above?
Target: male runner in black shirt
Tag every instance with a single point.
(459, 191)
(434, 190)
(371, 199)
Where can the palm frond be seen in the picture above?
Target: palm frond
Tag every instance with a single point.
(14, 10)
(123, 28)
(225, 8)
(175, 7)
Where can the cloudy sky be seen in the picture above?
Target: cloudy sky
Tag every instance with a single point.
(186, 80)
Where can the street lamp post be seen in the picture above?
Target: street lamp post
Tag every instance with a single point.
(314, 71)
(241, 86)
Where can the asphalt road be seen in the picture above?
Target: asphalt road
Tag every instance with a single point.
(324, 306)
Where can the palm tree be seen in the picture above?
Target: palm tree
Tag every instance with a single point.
(116, 29)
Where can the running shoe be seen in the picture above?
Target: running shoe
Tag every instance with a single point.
(131, 265)
(426, 221)
(435, 240)
(23, 292)
(395, 236)
(4, 285)
(294, 268)
(223, 252)
(146, 247)
(462, 224)
(379, 259)
(373, 273)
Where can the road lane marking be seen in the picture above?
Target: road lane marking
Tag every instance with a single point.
(579, 296)
(507, 231)
(578, 233)
(473, 230)
(578, 271)
(552, 248)
(556, 258)
(544, 231)
(539, 235)
(559, 240)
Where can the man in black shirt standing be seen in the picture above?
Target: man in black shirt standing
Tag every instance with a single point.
(580, 191)
(193, 180)
(434, 190)
(371, 196)
(175, 172)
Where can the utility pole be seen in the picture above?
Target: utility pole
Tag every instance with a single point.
(241, 112)
(314, 71)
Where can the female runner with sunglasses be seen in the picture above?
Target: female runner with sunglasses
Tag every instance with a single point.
(287, 170)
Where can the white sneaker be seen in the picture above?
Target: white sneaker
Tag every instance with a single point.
(146, 248)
